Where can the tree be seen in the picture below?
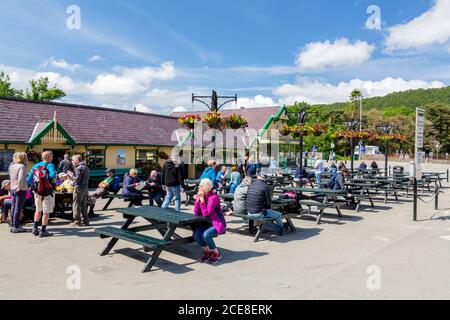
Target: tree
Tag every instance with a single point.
(40, 91)
(5, 87)
(355, 97)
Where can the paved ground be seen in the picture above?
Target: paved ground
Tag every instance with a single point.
(375, 254)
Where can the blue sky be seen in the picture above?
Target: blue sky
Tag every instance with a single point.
(153, 54)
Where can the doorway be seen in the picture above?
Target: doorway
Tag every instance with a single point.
(58, 155)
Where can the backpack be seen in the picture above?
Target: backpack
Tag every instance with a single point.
(332, 181)
(115, 186)
(41, 182)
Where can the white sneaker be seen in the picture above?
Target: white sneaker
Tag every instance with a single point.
(137, 206)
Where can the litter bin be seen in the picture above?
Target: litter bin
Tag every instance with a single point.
(398, 170)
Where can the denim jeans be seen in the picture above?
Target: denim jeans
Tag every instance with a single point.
(7, 204)
(204, 236)
(17, 206)
(233, 187)
(318, 178)
(277, 225)
(155, 196)
(173, 192)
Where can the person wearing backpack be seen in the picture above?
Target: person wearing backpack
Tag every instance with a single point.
(41, 179)
(80, 196)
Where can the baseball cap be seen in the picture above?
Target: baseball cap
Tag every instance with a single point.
(111, 170)
(5, 182)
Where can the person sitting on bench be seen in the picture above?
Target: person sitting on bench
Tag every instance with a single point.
(208, 205)
(155, 190)
(109, 184)
(130, 182)
(6, 202)
(240, 196)
(259, 203)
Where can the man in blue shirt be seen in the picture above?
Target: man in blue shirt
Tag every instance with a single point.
(44, 205)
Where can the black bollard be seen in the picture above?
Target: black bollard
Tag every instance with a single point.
(436, 198)
(415, 200)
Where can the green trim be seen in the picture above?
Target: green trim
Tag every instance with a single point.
(13, 142)
(36, 139)
(283, 110)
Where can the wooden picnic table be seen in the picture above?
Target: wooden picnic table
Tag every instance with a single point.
(364, 192)
(165, 221)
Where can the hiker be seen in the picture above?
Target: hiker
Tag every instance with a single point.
(42, 178)
(172, 182)
(130, 182)
(109, 184)
(6, 202)
(155, 190)
(65, 165)
(210, 173)
(19, 187)
(235, 179)
(208, 205)
(259, 201)
(80, 179)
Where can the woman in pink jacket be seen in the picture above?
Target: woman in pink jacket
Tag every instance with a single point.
(208, 205)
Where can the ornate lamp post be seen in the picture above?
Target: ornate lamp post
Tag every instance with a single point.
(214, 107)
(386, 129)
(352, 125)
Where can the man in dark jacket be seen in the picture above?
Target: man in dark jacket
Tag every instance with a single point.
(65, 165)
(172, 181)
(155, 190)
(80, 196)
(259, 202)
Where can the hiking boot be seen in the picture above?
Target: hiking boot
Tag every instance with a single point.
(18, 230)
(215, 258)
(86, 223)
(35, 231)
(281, 231)
(206, 257)
(45, 234)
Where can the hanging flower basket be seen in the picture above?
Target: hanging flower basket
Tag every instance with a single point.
(351, 134)
(189, 121)
(386, 137)
(235, 122)
(299, 130)
(213, 120)
(400, 137)
(285, 130)
(317, 130)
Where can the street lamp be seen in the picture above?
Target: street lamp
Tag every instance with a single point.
(386, 129)
(352, 125)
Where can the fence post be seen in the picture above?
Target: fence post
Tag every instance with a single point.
(436, 198)
(447, 175)
(415, 200)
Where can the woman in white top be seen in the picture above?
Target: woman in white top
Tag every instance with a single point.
(19, 187)
(319, 170)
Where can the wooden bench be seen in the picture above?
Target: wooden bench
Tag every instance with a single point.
(148, 243)
(112, 196)
(260, 222)
(322, 206)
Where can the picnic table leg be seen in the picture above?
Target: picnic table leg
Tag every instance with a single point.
(395, 195)
(290, 224)
(385, 197)
(371, 200)
(259, 233)
(113, 241)
(107, 204)
(339, 211)
(320, 215)
(155, 255)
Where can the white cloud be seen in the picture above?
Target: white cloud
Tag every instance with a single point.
(95, 58)
(179, 109)
(431, 27)
(320, 55)
(257, 101)
(131, 80)
(316, 92)
(60, 64)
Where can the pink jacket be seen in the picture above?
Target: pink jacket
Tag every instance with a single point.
(211, 208)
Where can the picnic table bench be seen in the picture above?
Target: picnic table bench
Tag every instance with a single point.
(165, 221)
(260, 222)
(118, 195)
(329, 200)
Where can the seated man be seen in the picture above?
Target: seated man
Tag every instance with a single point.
(259, 203)
(221, 178)
(6, 202)
(130, 184)
(154, 186)
(240, 196)
(64, 184)
(109, 184)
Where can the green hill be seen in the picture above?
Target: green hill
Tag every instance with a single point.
(405, 101)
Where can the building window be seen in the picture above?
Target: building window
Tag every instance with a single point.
(95, 159)
(146, 160)
(6, 157)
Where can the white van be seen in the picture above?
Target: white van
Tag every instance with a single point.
(370, 151)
